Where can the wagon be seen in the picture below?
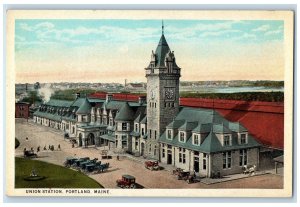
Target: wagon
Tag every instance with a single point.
(152, 164)
(29, 153)
(127, 181)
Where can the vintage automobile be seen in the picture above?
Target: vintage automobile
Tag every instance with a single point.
(152, 165)
(177, 171)
(70, 161)
(127, 181)
(83, 165)
(185, 175)
(80, 160)
(30, 153)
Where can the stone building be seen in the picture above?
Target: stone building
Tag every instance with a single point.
(156, 126)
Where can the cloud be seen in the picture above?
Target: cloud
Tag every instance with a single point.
(273, 32)
(262, 28)
(220, 33)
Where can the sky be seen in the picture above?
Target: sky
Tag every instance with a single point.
(112, 50)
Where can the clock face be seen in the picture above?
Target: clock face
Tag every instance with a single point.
(152, 94)
(169, 93)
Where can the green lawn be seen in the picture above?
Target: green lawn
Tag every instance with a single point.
(56, 176)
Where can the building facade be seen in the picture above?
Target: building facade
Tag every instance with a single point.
(156, 126)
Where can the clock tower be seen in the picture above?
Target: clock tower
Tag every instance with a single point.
(162, 93)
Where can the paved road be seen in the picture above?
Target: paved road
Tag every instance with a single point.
(44, 136)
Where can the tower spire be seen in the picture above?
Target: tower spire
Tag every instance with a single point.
(162, 27)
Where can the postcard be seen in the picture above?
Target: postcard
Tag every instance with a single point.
(149, 103)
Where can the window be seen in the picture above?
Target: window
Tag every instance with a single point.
(149, 148)
(181, 136)
(124, 141)
(196, 139)
(155, 134)
(226, 140)
(136, 145)
(136, 127)
(110, 122)
(226, 160)
(143, 132)
(243, 138)
(150, 133)
(169, 134)
(172, 104)
(204, 161)
(165, 105)
(243, 157)
(155, 105)
(163, 152)
(182, 155)
(124, 126)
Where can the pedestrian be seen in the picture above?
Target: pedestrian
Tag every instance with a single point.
(38, 149)
(49, 147)
(58, 147)
(73, 145)
(118, 158)
(26, 138)
(45, 148)
(32, 149)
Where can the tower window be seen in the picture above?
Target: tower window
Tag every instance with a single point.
(154, 105)
(150, 133)
(155, 134)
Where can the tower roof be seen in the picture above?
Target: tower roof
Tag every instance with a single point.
(161, 51)
(85, 107)
(125, 113)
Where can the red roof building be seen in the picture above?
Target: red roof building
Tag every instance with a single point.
(264, 120)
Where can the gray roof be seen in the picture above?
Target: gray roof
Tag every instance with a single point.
(220, 128)
(85, 107)
(203, 128)
(210, 123)
(188, 126)
(176, 124)
(161, 52)
(236, 127)
(211, 143)
(126, 113)
(59, 103)
(144, 121)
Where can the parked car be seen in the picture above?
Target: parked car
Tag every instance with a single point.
(30, 153)
(177, 171)
(186, 176)
(127, 181)
(152, 165)
(70, 161)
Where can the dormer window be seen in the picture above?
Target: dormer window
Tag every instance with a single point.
(169, 134)
(181, 136)
(136, 127)
(196, 139)
(226, 140)
(243, 138)
(124, 126)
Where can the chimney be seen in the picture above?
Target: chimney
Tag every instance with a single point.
(77, 95)
(142, 100)
(108, 97)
